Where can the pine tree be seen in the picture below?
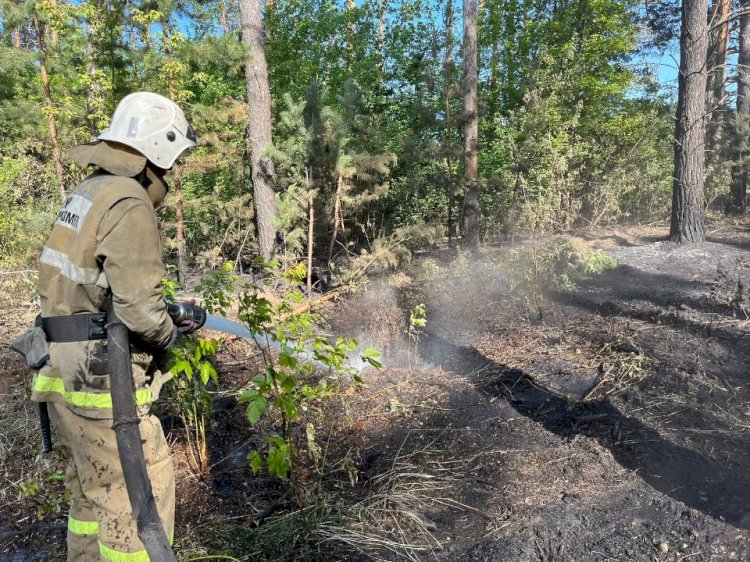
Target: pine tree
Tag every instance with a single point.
(687, 224)
(739, 151)
(259, 129)
(471, 128)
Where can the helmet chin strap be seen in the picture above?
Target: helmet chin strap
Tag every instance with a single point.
(154, 184)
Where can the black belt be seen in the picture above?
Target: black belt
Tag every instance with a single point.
(76, 327)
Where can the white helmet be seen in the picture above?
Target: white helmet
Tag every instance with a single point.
(153, 125)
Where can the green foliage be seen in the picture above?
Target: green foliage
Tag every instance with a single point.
(559, 162)
(556, 265)
(417, 323)
(217, 289)
(430, 268)
(301, 370)
(292, 158)
(23, 228)
(41, 494)
(418, 317)
(217, 207)
(571, 133)
(169, 289)
(189, 360)
(321, 161)
(596, 261)
(557, 262)
(390, 251)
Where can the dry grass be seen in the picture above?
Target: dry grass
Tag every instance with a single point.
(17, 414)
(18, 308)
(20, 433)
(30, 483)
(617, 371)
(394, 518)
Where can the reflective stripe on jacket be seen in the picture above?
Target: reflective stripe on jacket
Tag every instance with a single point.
(104, 244)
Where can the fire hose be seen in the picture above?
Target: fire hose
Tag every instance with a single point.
(124, 413)
(128, 437)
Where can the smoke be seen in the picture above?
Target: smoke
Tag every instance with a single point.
(226, 326)
(461, 298)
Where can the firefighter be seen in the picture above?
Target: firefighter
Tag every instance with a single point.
(104, 251)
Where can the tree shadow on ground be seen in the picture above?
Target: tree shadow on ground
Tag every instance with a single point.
(741, 244)
(627, 283)
(619, 240)
(727, 337)
(660, 299)
(675, 471)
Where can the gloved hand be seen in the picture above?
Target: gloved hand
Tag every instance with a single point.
(187, 326)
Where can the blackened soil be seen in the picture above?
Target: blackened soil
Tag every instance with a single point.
(616, 427)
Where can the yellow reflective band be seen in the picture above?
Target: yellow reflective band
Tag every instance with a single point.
(78, 527)
(117, 556)
(84, 399)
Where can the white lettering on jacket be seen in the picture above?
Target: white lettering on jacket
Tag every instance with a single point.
(74, 210)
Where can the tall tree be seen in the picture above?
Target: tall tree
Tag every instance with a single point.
(382, 12)
(42, 45)
(259, 129)
(15, 33)
(742, 118)
(471, 128)
(688, 201)
(182, 262)
(351, 8)
(717, 75)
(448, 140)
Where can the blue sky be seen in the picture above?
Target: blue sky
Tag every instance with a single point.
(665, 66)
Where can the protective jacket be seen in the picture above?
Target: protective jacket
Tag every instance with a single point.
(104, 245)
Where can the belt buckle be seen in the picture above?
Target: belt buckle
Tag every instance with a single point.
(97, 326)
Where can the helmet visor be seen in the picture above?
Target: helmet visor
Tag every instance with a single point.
(190, 135)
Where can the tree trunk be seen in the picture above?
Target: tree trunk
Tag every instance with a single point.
(51, 32)
(50, 108)
(223, 17)
(259, 129)
(351, 6)
(179, 204)
(493, 98)
(336, 218)
(381, 34)
(688, 212)
(448, 82)
(310, 240)
(742, 119)
(96, 103)
(471, 128)
(167, 33)
(717, 68)
(267, 32)
(15, 34)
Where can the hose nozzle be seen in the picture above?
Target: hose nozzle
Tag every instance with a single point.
(181, 312)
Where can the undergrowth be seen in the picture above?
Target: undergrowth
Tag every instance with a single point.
(301, 371)
(556, 265)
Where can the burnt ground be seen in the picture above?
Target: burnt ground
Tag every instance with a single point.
(613, 426)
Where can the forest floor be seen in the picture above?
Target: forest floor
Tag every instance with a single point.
(605, 418)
